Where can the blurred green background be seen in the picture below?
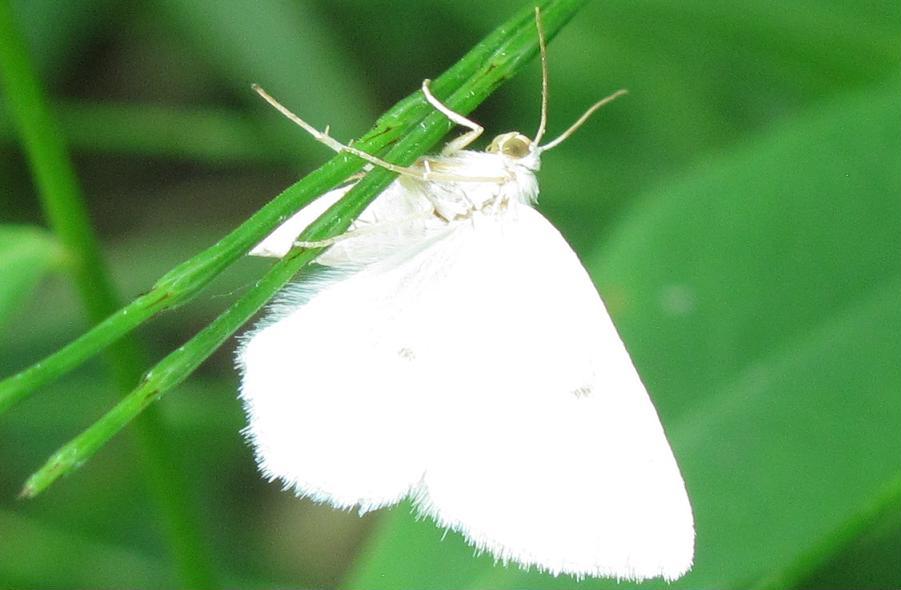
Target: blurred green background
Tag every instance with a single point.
(740, 211)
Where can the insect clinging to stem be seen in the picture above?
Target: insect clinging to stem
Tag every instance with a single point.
(450, 348)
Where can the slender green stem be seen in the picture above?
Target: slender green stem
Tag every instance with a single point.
(62, 202)
(501, 63)
(186, 280)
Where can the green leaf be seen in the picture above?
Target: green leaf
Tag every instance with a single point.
(860, 555)
(759, 247)
(27, 254)
(761, 300)
(46, 556)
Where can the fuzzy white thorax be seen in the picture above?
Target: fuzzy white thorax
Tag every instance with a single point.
(460, 200)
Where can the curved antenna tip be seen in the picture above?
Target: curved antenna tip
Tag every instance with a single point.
(581, 120)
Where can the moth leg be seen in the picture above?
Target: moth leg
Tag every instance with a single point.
(358, 231)
(414, 171)
(455, 145)
(324, 138)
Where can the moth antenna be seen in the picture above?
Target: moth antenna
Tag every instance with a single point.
(581, 120)
(542, 49)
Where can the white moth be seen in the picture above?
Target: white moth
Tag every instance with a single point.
(453, 350)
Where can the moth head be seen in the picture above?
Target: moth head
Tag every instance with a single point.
(517, 147)
(513, 145)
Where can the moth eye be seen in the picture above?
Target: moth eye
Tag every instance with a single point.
(515, 147)
(511, 144)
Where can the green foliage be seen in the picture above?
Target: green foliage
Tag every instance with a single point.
(27, 254)
(740, 212)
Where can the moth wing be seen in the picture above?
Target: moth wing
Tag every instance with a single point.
(553, 454)
(480, 371)
(336, 399)
(278, 243)
(399, 216)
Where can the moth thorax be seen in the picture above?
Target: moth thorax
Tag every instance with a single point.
(524, 186)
